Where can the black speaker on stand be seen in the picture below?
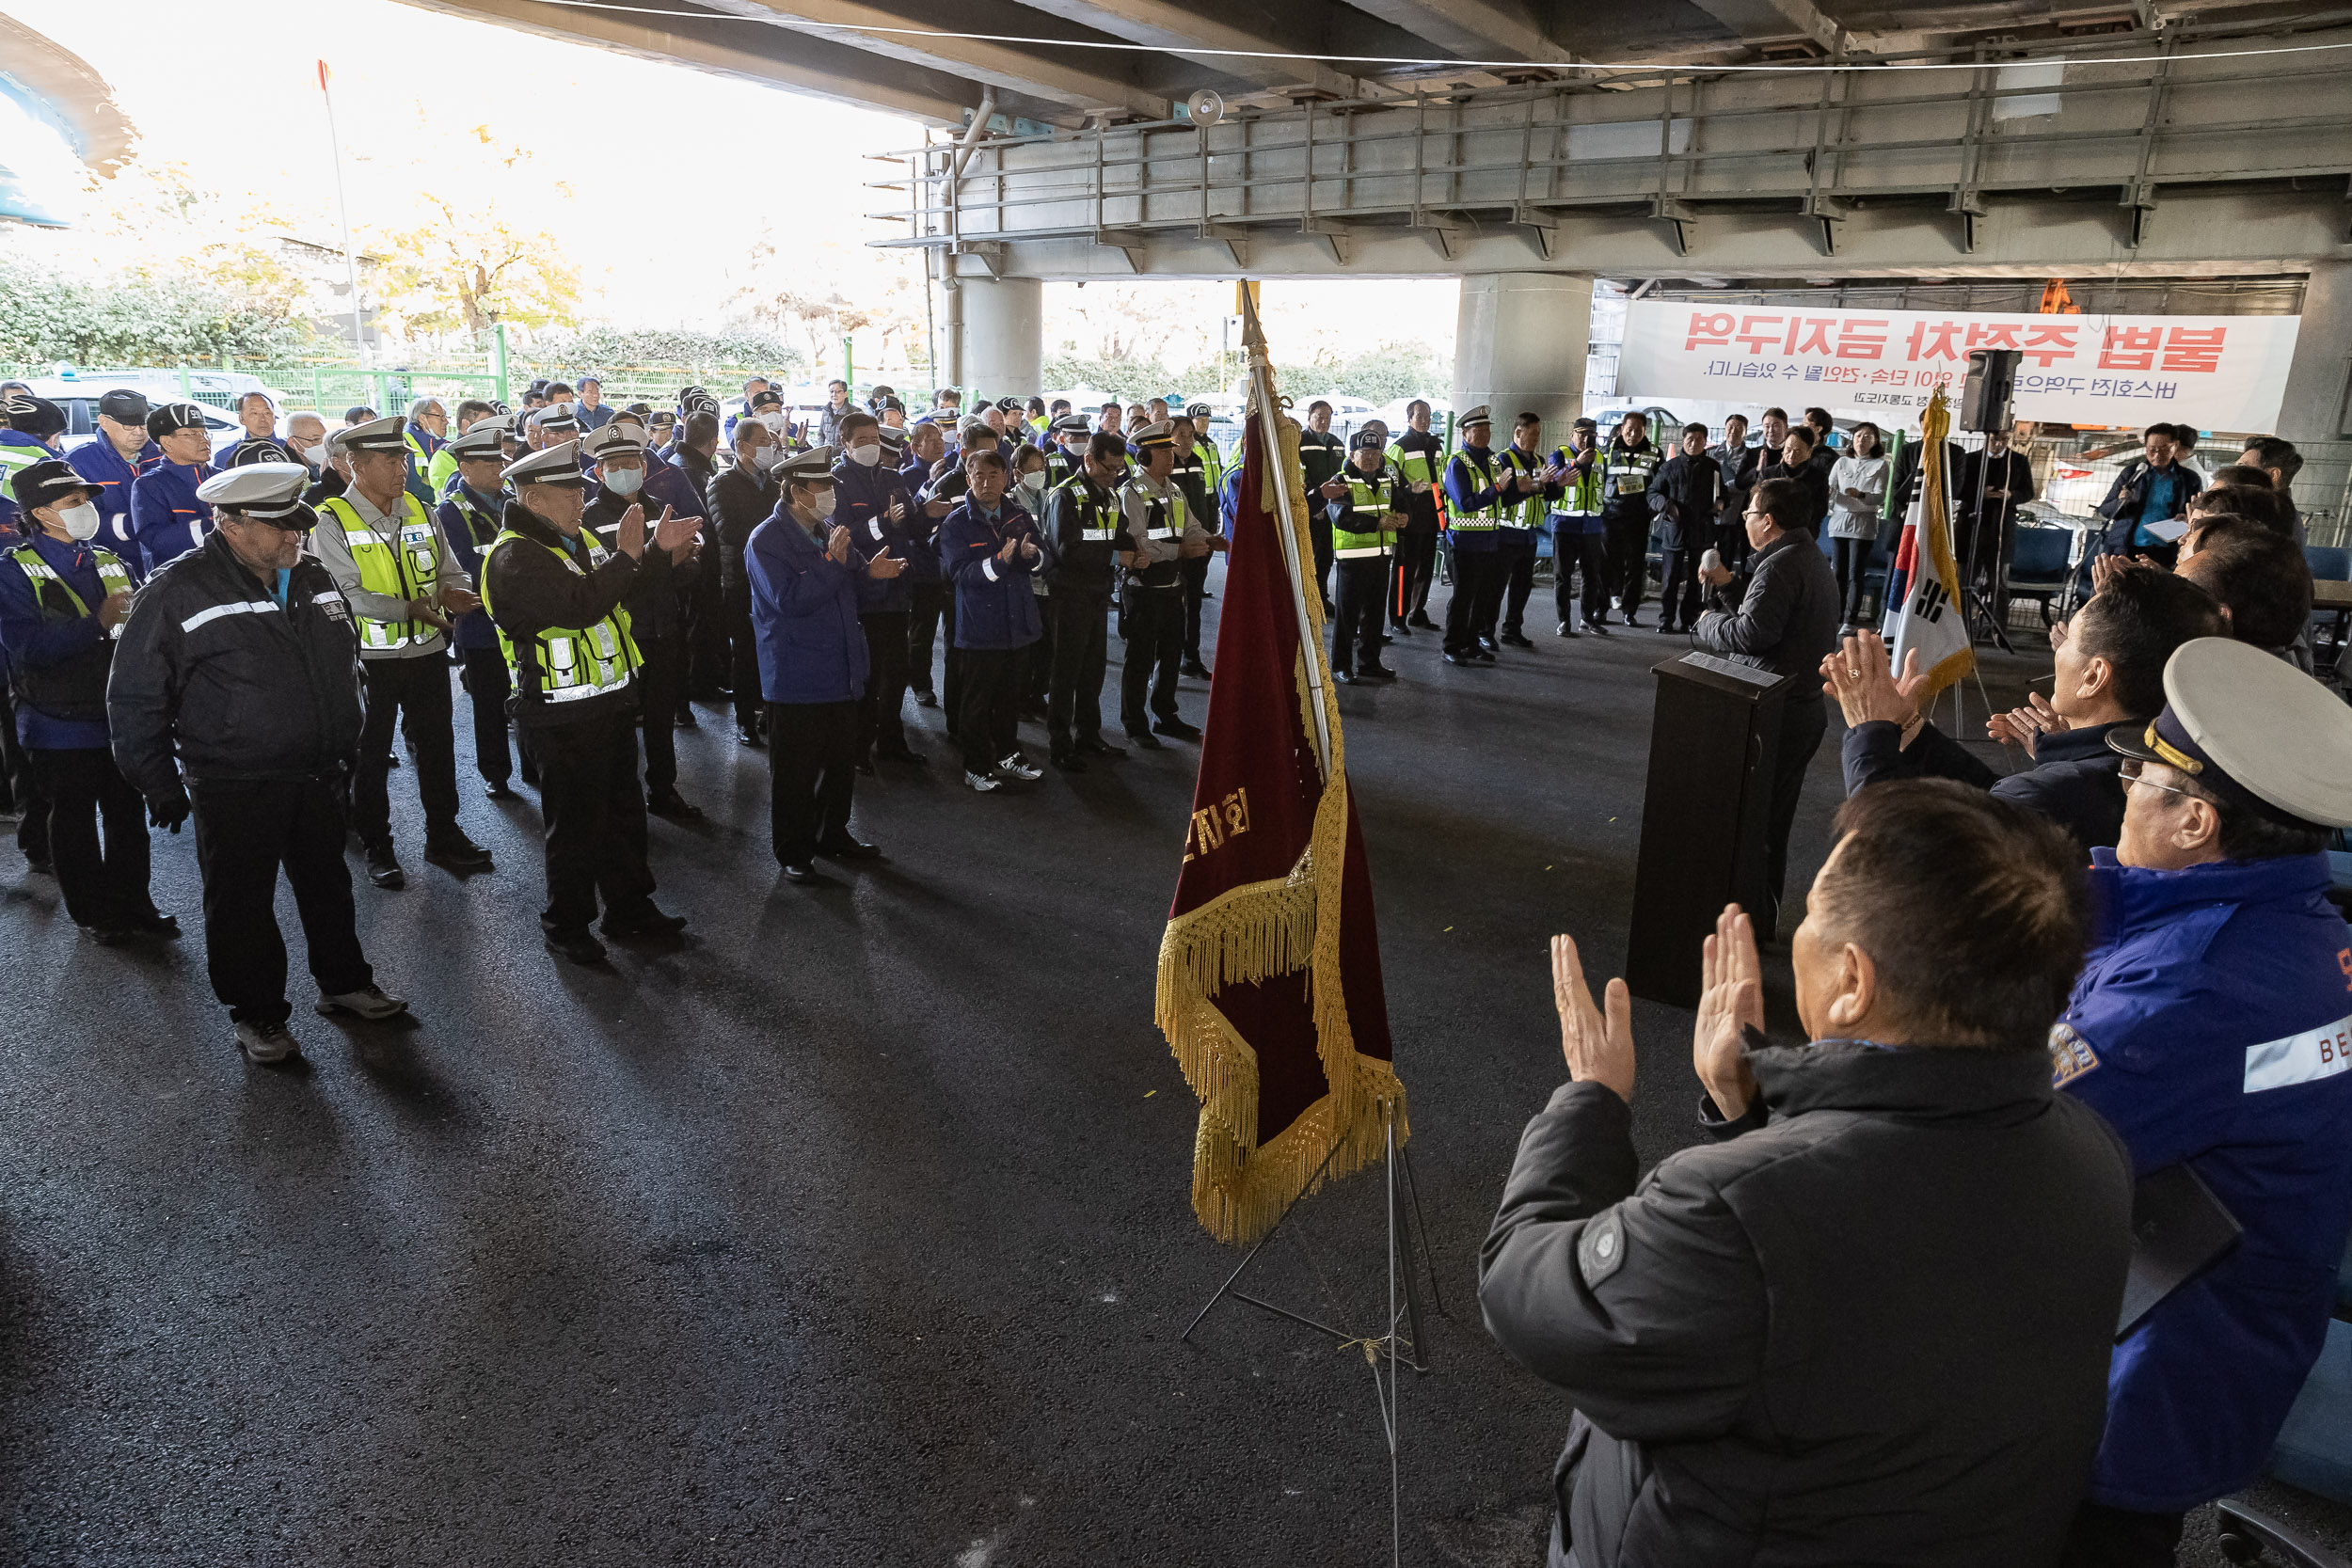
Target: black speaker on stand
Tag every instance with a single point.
(1987, 404)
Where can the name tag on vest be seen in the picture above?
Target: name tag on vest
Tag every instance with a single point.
(2303, 1058)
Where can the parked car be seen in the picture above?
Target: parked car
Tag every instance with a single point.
(78, 397)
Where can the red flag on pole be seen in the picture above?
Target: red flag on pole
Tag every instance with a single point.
(1269, 980)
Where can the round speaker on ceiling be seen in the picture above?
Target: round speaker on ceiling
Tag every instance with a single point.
(1204, 108)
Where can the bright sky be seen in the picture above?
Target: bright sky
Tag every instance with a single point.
(660, 238)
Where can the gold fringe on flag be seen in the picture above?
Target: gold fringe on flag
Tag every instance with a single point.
(1936, 541)
(1260, 933)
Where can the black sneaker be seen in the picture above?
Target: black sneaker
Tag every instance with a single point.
(578, 947)
(646, 922)
(1562, 629)
(457, 853)
(1518, 639)
(670, 804)
(498, 789)
(1596, 628)
(384, 867)
(927, 699)
(849, 848)
(1177, 729)
(1095, 746)
(1069, 762)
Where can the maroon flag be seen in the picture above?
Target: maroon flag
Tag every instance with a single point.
(1269, 980)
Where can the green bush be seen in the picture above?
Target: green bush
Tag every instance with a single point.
(133, 320)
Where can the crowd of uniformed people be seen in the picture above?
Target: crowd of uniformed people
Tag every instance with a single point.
(236, 639)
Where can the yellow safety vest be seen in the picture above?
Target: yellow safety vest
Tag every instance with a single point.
(1099, 522)
(1484, 520)
(112, 576)
(1364, 536)
(567, 663)
(411, 569)
(1527, 509)
(1627, 473)
(1163, 515)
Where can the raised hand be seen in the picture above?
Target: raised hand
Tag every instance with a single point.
(675, 532)
(630, 536)
(1731, 1001)
(885, 566)
(1866, 688)
(837, 546)
(1597, 1048)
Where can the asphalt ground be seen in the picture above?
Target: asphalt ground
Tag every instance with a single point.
(855, 1231)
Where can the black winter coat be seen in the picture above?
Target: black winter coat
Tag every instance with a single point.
(657, 612)
(2075, 782)
(209, 665)
(1683, 493)
(1788, 617)
(1874, 1330)
(740, 503)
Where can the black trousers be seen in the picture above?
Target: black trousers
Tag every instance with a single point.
(1587, 553)
(1037, 676)
(1196, 575)
(23, 789)
(1801, 725)
(104, 886)
(812, 776)
(710, 636)
(933, 603)
(1081, 656)
(1518, 581)
(1851, 558)
(989, 686)
(246, 830)
(414, 692)
(1678, 596)
(2102, 1536)
(595, 812)
(743, 646)
(879, 720)
(1319, 528)
(1415, 567)
(1628, 560)
(1155, 651)
(661, 683)
(1355, 630)
(488, 686)
(1477, 590)
(1731, 543)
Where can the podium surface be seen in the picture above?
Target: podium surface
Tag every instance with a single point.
(1706, 816)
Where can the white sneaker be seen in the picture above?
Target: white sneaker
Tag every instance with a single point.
(981, 782)
(1018, 765)
(267, 1042)
(367, 1001)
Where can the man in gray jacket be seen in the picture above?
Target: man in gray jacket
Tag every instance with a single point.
(1786, 622)
(1870, 1322)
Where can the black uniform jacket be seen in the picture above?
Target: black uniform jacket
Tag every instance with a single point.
(654, 603)
(530, 592)
(1873, 1329)
(1787, 618)
(2076, 780)
(741, 500)
(210, 665)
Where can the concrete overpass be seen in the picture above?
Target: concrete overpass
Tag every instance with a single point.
(1530, 147)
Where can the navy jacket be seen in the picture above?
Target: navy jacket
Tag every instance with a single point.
(2213, 1024)
(804, 608)
(1787, 618)
(2075, 780)
(995, 607)
(34, 641)
(1470, 486)
(167, 519)
(862, 505)
(111, 477)
(470, 528)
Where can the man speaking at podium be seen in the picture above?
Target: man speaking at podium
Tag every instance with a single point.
(1787, 623)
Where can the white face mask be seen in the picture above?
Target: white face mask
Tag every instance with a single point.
(774, 420)
(823, 504)
(1033, 485)
(771, 458)
(625, 481)
(866, 456)
(80, 522)
(316, 456)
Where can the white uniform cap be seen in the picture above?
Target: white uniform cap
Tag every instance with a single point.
(1476, 416)
(815, 464)
(2252, 729)
(385, 434)
(555, 465)
(617, 437)
(259, 489)
(487, 438)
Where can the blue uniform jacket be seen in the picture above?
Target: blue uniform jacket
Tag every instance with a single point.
(2213, 1024)
(34, 641)
(111, 477)
(995, 607)
(804, 615)
(470, 540)
(10, 514)
(167, 519)
(922, 528)
(862, 505)
(1470, 486)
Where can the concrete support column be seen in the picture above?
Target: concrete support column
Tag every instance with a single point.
(2316, 406)
(996, 336)
(1519, 345)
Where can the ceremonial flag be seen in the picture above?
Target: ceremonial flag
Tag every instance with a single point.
(1269, 979)
(1931, 617)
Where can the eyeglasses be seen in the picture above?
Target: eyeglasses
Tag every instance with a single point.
(2129, 770)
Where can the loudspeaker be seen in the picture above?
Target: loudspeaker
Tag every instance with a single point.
(1986, 396)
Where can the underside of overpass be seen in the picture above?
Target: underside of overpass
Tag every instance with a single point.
(1529, 148)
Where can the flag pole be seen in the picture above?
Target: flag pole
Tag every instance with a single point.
(1269, 429)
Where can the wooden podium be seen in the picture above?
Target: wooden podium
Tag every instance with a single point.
(1706, 814)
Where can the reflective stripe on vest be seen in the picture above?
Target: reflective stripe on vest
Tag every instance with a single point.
(1627, 473)
(1484, 520)
(1098, 521)
(1527, 509)
(113, 577)
(410, 571)
(1582, 495)
(571, 664)
(1362, 536)
(1163, 516)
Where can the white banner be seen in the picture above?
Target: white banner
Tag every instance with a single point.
(2213, 373)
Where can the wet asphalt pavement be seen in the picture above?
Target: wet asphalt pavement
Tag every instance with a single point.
(855, 1231)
